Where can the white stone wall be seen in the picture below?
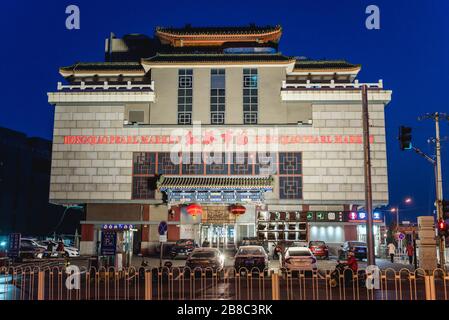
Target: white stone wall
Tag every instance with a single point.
(332, 173)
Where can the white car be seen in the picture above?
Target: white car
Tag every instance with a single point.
(299, 258)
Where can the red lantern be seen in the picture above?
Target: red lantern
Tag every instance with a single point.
(194, 209)
(237, 209)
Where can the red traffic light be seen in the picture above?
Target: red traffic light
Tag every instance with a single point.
(443, 230)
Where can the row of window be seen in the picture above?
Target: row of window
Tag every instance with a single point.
(218, 96)
(148, 165)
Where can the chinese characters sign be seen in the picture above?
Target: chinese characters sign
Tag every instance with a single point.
(209, 138)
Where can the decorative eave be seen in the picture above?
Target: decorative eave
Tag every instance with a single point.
(102, 69)
(217, 36)
(321, 67)
(205, 60)
(214, 182)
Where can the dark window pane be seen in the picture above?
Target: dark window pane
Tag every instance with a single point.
(144, 163)
(165, 164)
(144, 187)
(289, 163)
(290, 187)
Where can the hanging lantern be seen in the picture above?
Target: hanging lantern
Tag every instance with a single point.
(237, 209)
(194, 209)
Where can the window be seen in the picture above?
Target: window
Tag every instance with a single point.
(192, 163)
(165, 164)
(185, 85)
(250, 96)
(217, 165)
(217, 96)
(144, 175)
(242, 164)
(290, 175)
(135, 116)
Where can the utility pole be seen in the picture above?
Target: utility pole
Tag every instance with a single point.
(368, 187)
(439, 180)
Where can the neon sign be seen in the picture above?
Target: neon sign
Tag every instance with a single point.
(209, 139)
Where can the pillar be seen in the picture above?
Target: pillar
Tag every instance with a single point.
(87, 243)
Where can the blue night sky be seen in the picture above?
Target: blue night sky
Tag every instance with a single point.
(410, 53)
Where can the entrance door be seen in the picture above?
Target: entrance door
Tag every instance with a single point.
(220, 236)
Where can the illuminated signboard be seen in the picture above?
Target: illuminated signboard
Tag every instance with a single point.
(210, 138)
(361, 216)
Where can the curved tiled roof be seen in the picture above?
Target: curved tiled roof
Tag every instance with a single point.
(324, 64)
(250, 30)
(215, 182)
(104, 66)
(201, 58)
(99, 67)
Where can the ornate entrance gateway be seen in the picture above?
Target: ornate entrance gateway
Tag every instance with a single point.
(228, 205)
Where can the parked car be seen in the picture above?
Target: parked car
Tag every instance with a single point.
(319, 249)
(251, 257)
(68, 250)
(210, 258)
(359, 248)
(299, 258)
(182, 248)
(30, 249)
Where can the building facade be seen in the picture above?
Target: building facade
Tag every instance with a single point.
(219, 118)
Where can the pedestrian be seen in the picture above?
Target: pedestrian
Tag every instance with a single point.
(352, 269)
(60, 248)
(49, 249)
(391, 251)
(410, 251)
(205, 243)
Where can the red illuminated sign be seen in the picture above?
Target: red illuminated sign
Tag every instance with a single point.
(209, 138)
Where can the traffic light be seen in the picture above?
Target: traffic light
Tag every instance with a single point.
(442, 228)
(445, 205)
(405, 138)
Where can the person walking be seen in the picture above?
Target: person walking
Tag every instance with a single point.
(410, 251)
(60, 248)
(391, 251)
(206, 243)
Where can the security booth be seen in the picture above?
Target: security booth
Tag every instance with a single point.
(116, 244)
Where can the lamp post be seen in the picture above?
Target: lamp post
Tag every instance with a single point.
(407, 200)
(67, 207)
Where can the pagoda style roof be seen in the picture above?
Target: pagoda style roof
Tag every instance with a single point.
(214, 182)
(217, 59)
(102, 68)
(324, 65)
(217, 36)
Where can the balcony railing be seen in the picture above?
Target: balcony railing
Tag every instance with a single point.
(330, 85)
(105, 86)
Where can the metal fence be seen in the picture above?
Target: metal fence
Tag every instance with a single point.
(67, 283)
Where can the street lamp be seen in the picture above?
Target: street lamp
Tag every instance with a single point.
(407, 200)
(67, 207)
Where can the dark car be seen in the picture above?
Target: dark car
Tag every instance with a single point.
(359, 248)
(251, 258)
(30, 249)
(205, 258)
(319, 249)
(182, 248)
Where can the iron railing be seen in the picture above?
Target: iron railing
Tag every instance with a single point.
(179, 283)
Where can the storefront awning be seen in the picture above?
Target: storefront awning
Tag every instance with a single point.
(263, 183)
